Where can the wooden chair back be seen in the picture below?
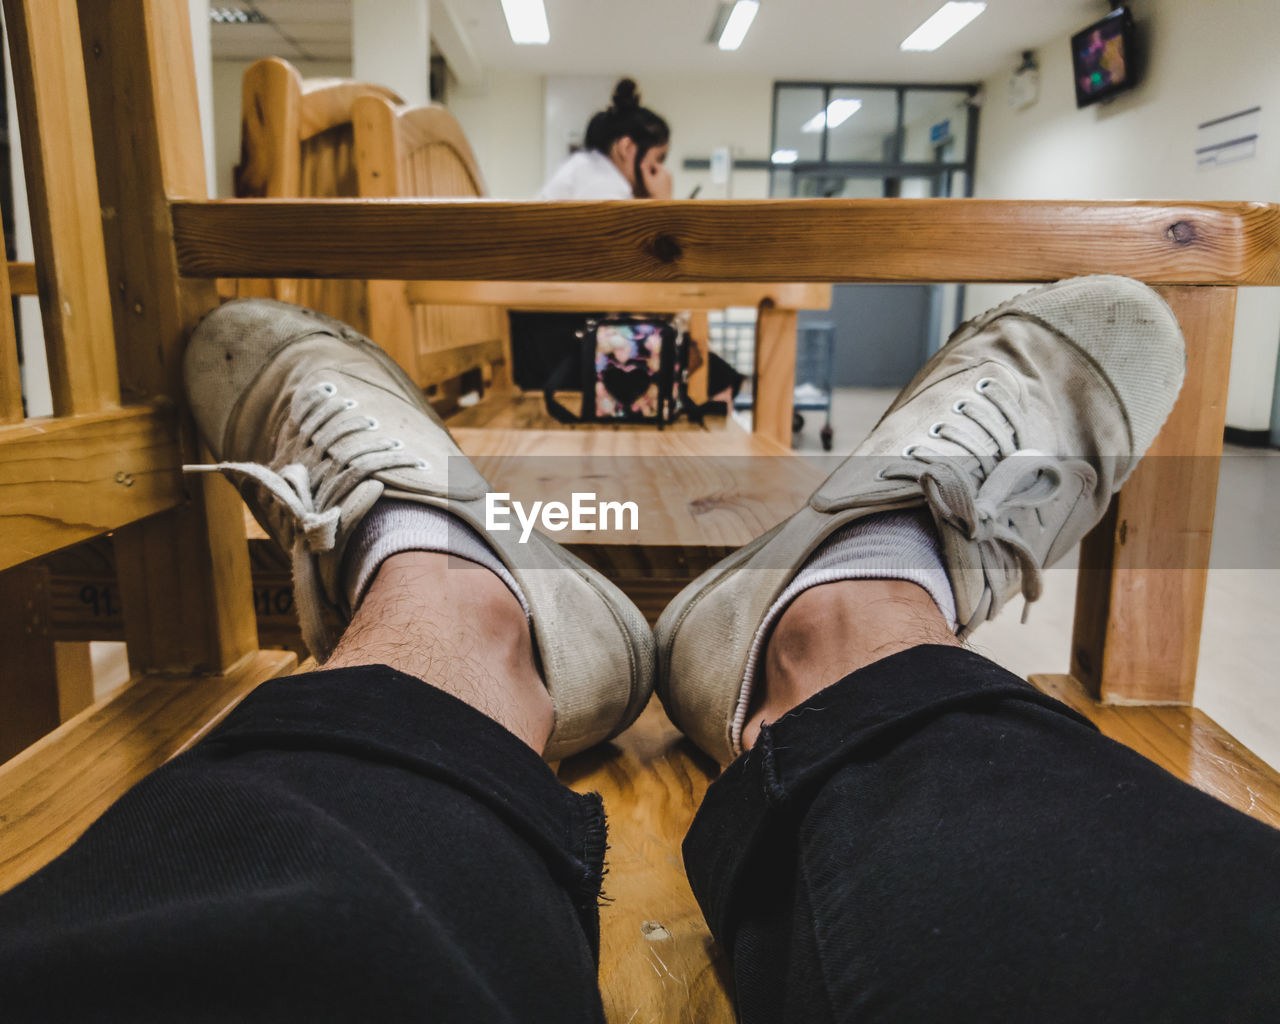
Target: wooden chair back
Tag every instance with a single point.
(422, 151)
(297, 140)
(109, 460)
(338, 138)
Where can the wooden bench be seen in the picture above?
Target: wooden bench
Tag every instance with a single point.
(331, 138)
(108, 461)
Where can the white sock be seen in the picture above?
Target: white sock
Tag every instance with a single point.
(899, 545)
(393, 526)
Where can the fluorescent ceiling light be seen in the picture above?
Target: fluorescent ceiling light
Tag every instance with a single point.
(949, 19)
(836, 114)
(526, 21)
(736, 25)
(784, 156)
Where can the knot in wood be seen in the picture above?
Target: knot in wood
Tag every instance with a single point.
(1182, 233)
(666, 248)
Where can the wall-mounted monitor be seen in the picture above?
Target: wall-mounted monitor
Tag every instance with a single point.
(1103, 58)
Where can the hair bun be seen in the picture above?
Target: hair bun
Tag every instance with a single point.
(626, 97)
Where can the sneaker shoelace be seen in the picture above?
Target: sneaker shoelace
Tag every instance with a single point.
(982, 494)
(310, 491)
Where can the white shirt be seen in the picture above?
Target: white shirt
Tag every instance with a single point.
(587, 174)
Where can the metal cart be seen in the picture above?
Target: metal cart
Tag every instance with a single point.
(735, 342)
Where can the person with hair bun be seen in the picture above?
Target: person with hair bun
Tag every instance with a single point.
(626, 146)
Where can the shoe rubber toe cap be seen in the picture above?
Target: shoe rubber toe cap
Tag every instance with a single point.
(227, 352)
(1130, 332)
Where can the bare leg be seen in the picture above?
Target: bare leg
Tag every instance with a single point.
(834, 629)
(456, 626)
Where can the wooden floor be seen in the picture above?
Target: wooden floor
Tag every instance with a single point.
(657, 959)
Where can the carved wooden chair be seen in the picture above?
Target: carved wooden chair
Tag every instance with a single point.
(128, 250)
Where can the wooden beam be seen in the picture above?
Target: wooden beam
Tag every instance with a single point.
(75, 677)
(892, 240)
(774, 379)
(139, 63)
(65, 480)
(10, 371)
(1144, 569)
(54, 790)
(644, 297)
(66, 221)
(22, 278)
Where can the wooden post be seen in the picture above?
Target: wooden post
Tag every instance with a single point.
(270, 112)
(700, 339)
(10, 373)
(75, 677)
(184, 575)
(1140, 599)
(390, 320)
(66, 225)
(775, 375)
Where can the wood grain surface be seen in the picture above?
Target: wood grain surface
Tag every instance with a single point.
(66, 215)
(642, 297)
(765, 240)
(692, 489)
(139, 63)
(10, 370)
(657, 959)
(22, 278)
(68, 479)
(774, 377)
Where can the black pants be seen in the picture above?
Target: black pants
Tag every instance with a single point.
(928, 840)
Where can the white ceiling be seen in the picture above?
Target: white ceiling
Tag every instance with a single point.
(850, 40)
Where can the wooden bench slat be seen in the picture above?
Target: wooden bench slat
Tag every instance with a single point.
(657, 959)
(645, 297)
(112, 468)
(22, 278)
(892, 240)
(10, 373)
(66, 214)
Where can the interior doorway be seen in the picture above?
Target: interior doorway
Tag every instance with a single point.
(870, 141)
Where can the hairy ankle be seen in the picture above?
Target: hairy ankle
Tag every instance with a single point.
(455, 625)
(834, 629)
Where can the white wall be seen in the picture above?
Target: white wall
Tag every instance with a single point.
(1205, 60)
(35, 364)
(503, 121)
(705, 113)
(201, 46)
(520, 126)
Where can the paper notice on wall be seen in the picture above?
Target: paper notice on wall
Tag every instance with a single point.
(1227, 139)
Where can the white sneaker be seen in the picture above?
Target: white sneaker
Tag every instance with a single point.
(314, 423)
(1014, 436)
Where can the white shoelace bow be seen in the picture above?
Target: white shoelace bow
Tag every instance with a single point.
(311, 490)
(980, 500)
